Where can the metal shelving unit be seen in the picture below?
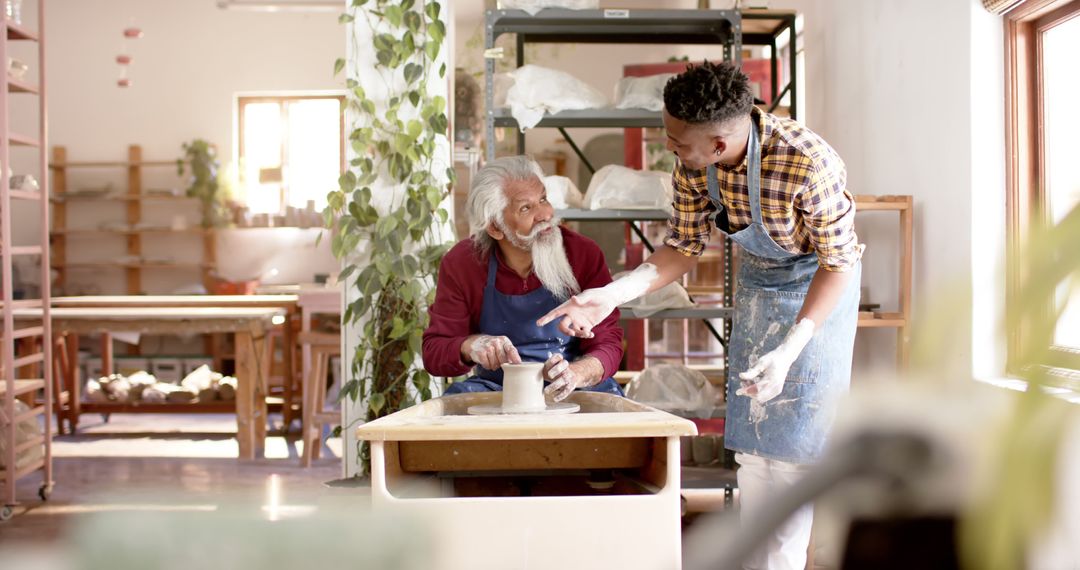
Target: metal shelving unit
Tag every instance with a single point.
(27, 374)
(722, 28)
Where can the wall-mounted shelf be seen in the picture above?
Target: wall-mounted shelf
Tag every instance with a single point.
(587, 118)
(18, 86)
(17, 32)
(132, 197)
(609, 215)
(23, 140)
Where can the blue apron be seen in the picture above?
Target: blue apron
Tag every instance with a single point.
(770, 288)
(514, 316)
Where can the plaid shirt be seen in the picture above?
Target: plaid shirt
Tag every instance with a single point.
(805, 205)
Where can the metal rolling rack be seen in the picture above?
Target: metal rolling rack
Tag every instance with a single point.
(36, 392)
(713, 27)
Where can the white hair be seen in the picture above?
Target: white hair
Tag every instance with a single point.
(487, 197)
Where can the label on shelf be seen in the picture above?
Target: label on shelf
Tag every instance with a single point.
(616, 13)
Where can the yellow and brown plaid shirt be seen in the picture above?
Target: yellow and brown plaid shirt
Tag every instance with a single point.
(805, 205)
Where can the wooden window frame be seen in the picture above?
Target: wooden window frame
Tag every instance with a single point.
(243, 101)
(1025, 195)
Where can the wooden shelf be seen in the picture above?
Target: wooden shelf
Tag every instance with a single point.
(25, 194)
(22, 386)
(17, 32)
(119, 265)
(869, 203)
(19, 86)
(110, 164)
(22, 140)
(192, 231)
(71, 197)
(882, 320)
(25, 250)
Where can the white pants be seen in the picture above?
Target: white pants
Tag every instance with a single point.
(760, 479)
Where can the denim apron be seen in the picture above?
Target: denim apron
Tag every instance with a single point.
(514, 316)
(771, 285)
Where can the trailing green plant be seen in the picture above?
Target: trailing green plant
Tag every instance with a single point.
(394, 142)
(203, 184)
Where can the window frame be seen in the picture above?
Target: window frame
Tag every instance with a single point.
(1024, 166)
(243, 100)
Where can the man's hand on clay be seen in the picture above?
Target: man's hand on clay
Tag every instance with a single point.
(565, 377)
(488, 351)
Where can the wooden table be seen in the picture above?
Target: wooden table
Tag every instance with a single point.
(248, 325)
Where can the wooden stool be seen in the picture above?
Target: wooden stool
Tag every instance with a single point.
(323, 346)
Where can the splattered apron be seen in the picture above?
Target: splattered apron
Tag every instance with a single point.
(771, 287)
(514, 316)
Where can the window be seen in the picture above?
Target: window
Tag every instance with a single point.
(291, 150)
(1042, 84)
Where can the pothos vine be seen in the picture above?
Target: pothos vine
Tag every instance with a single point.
(394, 140)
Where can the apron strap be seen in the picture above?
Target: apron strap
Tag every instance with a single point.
(493, 266)
(753, 172)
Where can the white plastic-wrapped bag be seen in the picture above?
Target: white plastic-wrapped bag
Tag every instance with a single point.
(670, 296)
(562, 193)
(534, 6)
(641, 92)
(539, 90)
(674, 388)
(619, 187)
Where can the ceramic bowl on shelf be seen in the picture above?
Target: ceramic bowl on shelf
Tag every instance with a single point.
(24, 182)
(16, 69)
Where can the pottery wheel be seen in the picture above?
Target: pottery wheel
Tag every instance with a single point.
(497, 409)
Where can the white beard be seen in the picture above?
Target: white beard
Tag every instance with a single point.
(550, 263)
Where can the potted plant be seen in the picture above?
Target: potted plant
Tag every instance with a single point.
(203, 184)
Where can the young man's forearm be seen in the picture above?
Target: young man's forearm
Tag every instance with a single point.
(824, 293)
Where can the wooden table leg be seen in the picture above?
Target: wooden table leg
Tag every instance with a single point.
(263, 348)
(289, 342)
(245, 394)
(106, 354)
(74, 386)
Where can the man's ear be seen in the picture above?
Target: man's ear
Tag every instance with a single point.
(719, 145)
(494, 231)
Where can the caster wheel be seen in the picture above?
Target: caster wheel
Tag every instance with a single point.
(45, 491)
(6, 513)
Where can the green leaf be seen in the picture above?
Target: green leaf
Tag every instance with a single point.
(385, 225)
(442, 71)
(339, 64)
(393, 15)
(407, 5)
(345, 18)
(442, 214)
(368, 106)
(347, 181)
(412, 72)
(439, 102)
(376, 401)
(412, 21)
(415, 128)
(345, 273)
(414, 98)
(437, 31)
(432, 50)
(432, 10)
(359, 3)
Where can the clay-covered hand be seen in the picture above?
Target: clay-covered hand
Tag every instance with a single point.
(488, 351)
(765, 379)
(587, 309)
(565, 376)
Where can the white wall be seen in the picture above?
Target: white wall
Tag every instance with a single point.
(191, 61)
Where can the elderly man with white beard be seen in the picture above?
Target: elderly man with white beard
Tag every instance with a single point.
(516, 265)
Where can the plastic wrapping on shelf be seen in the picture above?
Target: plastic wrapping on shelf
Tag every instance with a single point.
(25, 430)
(670, 296)
(621, 188)
(533, 7)
(539, 90)
(674, 388)
(562, 193)
(641, 92)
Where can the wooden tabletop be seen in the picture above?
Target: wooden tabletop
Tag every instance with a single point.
(601, 416)
(157, 319)
(155, 301)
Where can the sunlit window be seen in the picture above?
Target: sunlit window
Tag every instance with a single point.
(1061, 83)
(290, 150)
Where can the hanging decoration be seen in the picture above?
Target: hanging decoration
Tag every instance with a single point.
(124, 60)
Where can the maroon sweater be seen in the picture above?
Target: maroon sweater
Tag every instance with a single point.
(459, 297)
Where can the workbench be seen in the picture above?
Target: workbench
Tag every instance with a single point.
(535, 491)
(248, 325)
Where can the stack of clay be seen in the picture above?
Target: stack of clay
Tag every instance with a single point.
(201, 385)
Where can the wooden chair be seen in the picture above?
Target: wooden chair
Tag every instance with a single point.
(314, 416)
